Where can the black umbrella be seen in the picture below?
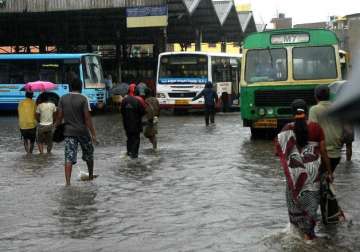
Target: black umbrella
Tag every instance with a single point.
(120, 89)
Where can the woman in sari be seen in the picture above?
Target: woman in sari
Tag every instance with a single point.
(301, 148)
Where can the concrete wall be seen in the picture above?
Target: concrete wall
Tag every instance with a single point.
(354, 41)
(13, 6)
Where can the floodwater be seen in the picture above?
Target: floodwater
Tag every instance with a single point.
(206, 189)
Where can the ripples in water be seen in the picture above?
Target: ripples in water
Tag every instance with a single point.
(206, 189)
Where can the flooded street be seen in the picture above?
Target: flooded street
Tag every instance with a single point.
(206, 189)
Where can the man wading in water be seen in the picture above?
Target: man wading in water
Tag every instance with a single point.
(132, 110)
(152, 116)
(211, 98)
(74, 108)
(27, 121)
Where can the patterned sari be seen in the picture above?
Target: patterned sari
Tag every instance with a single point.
(302, 169)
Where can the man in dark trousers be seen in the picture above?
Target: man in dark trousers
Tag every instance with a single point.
(132, 111)
(211, 98)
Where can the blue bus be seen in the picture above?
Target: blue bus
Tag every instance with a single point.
(18, 69)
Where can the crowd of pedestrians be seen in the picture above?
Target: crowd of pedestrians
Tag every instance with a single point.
(309, 147)
(37, 123)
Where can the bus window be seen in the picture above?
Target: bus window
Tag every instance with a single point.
(50, 71)
(314, 63)
(93, 76)
(19, 71)
(71, 70)
(225, 69)
(22, 71)
(4, 73)
(179, 66)
(221, 69)
(266, 65)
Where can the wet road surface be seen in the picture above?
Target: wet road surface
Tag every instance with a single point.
(206, 189)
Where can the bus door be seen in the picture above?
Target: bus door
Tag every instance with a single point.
(235, 81)
(226, 77)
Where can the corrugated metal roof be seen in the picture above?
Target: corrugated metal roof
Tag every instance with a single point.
(245, 19)
(104, 22)
(191, 5)
(43, 56)
(14, 6)
(222, 9)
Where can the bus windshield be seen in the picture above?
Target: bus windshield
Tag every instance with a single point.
(266, 65)
(93, 76)
(312, 63)
(190, 68)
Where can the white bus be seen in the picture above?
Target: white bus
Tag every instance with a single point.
(182, 75)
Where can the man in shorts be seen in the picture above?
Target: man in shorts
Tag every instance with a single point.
(45, 114)
(74, 108)
(27, 121)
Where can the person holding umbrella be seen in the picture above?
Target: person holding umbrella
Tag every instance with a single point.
(118, 93)
(45, 114)
(29, 114)
(27, 121)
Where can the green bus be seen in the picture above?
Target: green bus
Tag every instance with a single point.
(280, 66)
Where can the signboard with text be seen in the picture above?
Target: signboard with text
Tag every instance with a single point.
(155, 16)
(290, 38)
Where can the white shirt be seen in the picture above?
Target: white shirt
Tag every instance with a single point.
(46, 111)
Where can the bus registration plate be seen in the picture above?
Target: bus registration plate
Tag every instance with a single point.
(181, 102)
(265, 123)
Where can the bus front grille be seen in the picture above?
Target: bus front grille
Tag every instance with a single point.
(100, 97)
(182, 95)
(283, 98)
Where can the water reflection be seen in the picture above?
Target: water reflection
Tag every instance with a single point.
(77, 211)
(32, 165)
(258, 156)
(140, 168)
(207, 189)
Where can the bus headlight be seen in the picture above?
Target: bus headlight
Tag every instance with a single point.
(270, 111)
(160, 95)
(262, 111)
